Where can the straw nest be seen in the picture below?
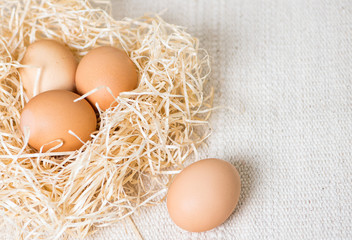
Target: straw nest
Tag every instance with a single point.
(139, 143)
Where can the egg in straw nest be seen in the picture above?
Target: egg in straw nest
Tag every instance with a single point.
(139, 143)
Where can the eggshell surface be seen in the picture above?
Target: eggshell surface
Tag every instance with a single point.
(50, 115)
(105, 66)
(204, 195)
(51, 66)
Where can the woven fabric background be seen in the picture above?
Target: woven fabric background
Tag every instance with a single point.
(285, 70)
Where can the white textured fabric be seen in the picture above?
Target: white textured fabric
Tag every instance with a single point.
(285, 67)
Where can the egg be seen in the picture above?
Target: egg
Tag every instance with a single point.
(52, 66)
(50, 115)
(204, 195)
(105, 66)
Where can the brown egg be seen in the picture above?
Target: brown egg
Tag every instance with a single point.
(204, 195)
(105, 66)
(50, 115)
(53, 63)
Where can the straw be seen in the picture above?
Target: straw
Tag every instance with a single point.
(139, 143)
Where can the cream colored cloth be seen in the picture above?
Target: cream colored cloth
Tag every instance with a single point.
(285, 68)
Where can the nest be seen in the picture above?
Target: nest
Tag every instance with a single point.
(139, 144)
